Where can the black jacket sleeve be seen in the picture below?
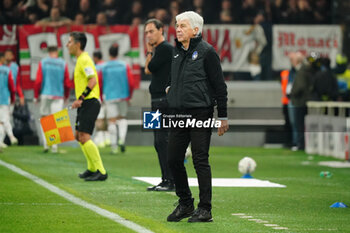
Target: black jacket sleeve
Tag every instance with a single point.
(216, 80)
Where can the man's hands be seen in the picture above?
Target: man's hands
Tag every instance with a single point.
(223, 128)
(77, 104)
(149, 47)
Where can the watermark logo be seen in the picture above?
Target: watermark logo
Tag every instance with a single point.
(152, 120)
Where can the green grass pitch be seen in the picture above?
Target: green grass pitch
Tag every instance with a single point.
(304, 206)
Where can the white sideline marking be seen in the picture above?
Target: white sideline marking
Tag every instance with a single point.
(271, 225)
(220, 182)
(22, 203)
(335, 164)
(266, 224)
(246, 216)
(105, 213)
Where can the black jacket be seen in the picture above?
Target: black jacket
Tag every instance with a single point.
(196, 79)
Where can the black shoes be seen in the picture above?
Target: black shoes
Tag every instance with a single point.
(201, 215)
(181, 212)
(122, 148)
(165, 186)
(85, 174)
(93, 176)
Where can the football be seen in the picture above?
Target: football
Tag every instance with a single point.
(246, 165)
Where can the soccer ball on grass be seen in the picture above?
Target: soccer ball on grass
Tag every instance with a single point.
(246, 166)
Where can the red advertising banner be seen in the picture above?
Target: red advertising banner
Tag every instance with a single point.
(34, 40)
(8, 38)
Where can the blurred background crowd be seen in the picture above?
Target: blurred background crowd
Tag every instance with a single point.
(133, 12)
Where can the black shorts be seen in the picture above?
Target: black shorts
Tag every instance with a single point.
(87, 115)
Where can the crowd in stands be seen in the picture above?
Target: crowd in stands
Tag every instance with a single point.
(109, 12)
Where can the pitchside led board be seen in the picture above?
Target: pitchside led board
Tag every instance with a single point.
(327, 135)
(57, 128)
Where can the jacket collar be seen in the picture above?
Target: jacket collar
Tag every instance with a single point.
(193, 43)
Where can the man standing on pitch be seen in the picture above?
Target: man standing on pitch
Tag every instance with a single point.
(158, 63)
(196, 85)
(52, 84)
(87, 92)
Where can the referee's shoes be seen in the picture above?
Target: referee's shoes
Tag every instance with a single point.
(93, 176)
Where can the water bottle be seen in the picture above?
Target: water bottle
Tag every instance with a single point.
(325, 174)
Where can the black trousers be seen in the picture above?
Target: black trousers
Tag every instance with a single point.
(300, 113)
(179, 139)
(161, 139)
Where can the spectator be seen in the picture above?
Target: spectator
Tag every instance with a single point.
(325, 86)
(79, 19)
(112, 11)
(88, 11)
(248, 12)
(226, 14)
(10, 12)
(30, 16)
(162, 15)
(102, 137)
(296, 60)
(101, 19)
(55, 19)
(117, 90)
(9, 61)
(135, 12)
(305, 15)
(43, 8)
(61, 5)
(174, 9)
(321, 12)
(204, 9)
(301, 93)
(136, 22)
(52, 84)
(292, 12)
(279, 12)
(7, 97)
(257, 34)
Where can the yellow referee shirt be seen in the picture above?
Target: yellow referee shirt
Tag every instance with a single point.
(85, 69)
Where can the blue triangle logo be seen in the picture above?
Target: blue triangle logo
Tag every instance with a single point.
(338, 205)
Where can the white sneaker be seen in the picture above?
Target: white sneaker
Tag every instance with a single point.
(2, 145)
(188, 152)
(13, 140)
(114, 151)
(54, 149)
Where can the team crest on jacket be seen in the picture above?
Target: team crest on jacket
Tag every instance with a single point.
(194, 55)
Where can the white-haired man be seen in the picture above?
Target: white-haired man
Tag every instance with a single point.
(196, 85)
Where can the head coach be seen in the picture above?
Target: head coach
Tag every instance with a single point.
(196, 85)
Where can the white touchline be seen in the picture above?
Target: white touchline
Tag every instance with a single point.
(105, 213)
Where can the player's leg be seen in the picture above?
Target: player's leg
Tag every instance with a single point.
(112, 127)
(2, 136)
(99, 136)
(87, 117)
(90, 168)
(44, 111)
(122, 123)
(7, 125)
(56, 106)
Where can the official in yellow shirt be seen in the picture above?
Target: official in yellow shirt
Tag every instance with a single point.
(87, 92)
